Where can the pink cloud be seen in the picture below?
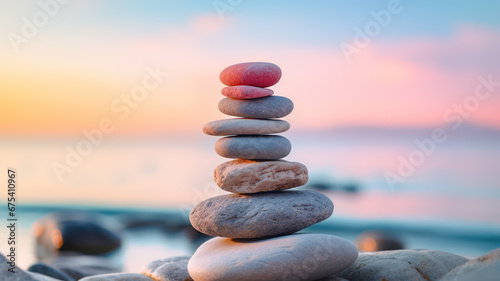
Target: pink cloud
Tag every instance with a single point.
(409, 82)
(209, 23)
(403, 83)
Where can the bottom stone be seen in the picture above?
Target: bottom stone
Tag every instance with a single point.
(291, 257)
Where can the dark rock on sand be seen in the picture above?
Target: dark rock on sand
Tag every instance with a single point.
(83, 232)
(50, 271)
(371, 241)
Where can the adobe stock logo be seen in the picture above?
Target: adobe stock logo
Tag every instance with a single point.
(30, 28)
(371, 29)
(224, 6)
(453, 117)
(121, 107)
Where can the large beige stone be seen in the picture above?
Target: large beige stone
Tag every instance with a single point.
(286, 258)
(247, 176)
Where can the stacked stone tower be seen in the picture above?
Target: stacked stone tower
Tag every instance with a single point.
(256, 224)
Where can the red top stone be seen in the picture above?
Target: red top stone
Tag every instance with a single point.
(259, 74)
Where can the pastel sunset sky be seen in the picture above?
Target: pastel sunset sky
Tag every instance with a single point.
(64, 79)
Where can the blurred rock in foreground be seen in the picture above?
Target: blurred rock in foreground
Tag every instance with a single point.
(76, 231)
(372, 241)
(80, 266)
(48, 270)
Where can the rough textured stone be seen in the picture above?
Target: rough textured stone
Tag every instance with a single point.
(247, 176)
(259, 74)
(484, 268)
(19, 274)
(118, 277)
(408, 265)
(264, 147)
(245, 126)
(169, 269)
(486, 273)
(261, 214)
(292, 257)
(246, 92)
(268, 107)
(50, 271)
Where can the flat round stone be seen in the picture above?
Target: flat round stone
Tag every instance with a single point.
(247, 176)
(292, 257)
(266, 147)
(245, 126)
(244, 92)
(259, 74)
(261, 214)
(268, 107)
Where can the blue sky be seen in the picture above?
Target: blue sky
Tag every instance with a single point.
(429, 55)
(310, 21)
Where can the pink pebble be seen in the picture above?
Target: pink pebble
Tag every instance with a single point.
(244, 92)
(259, 74)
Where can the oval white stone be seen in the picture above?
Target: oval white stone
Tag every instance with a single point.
(291, 257)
